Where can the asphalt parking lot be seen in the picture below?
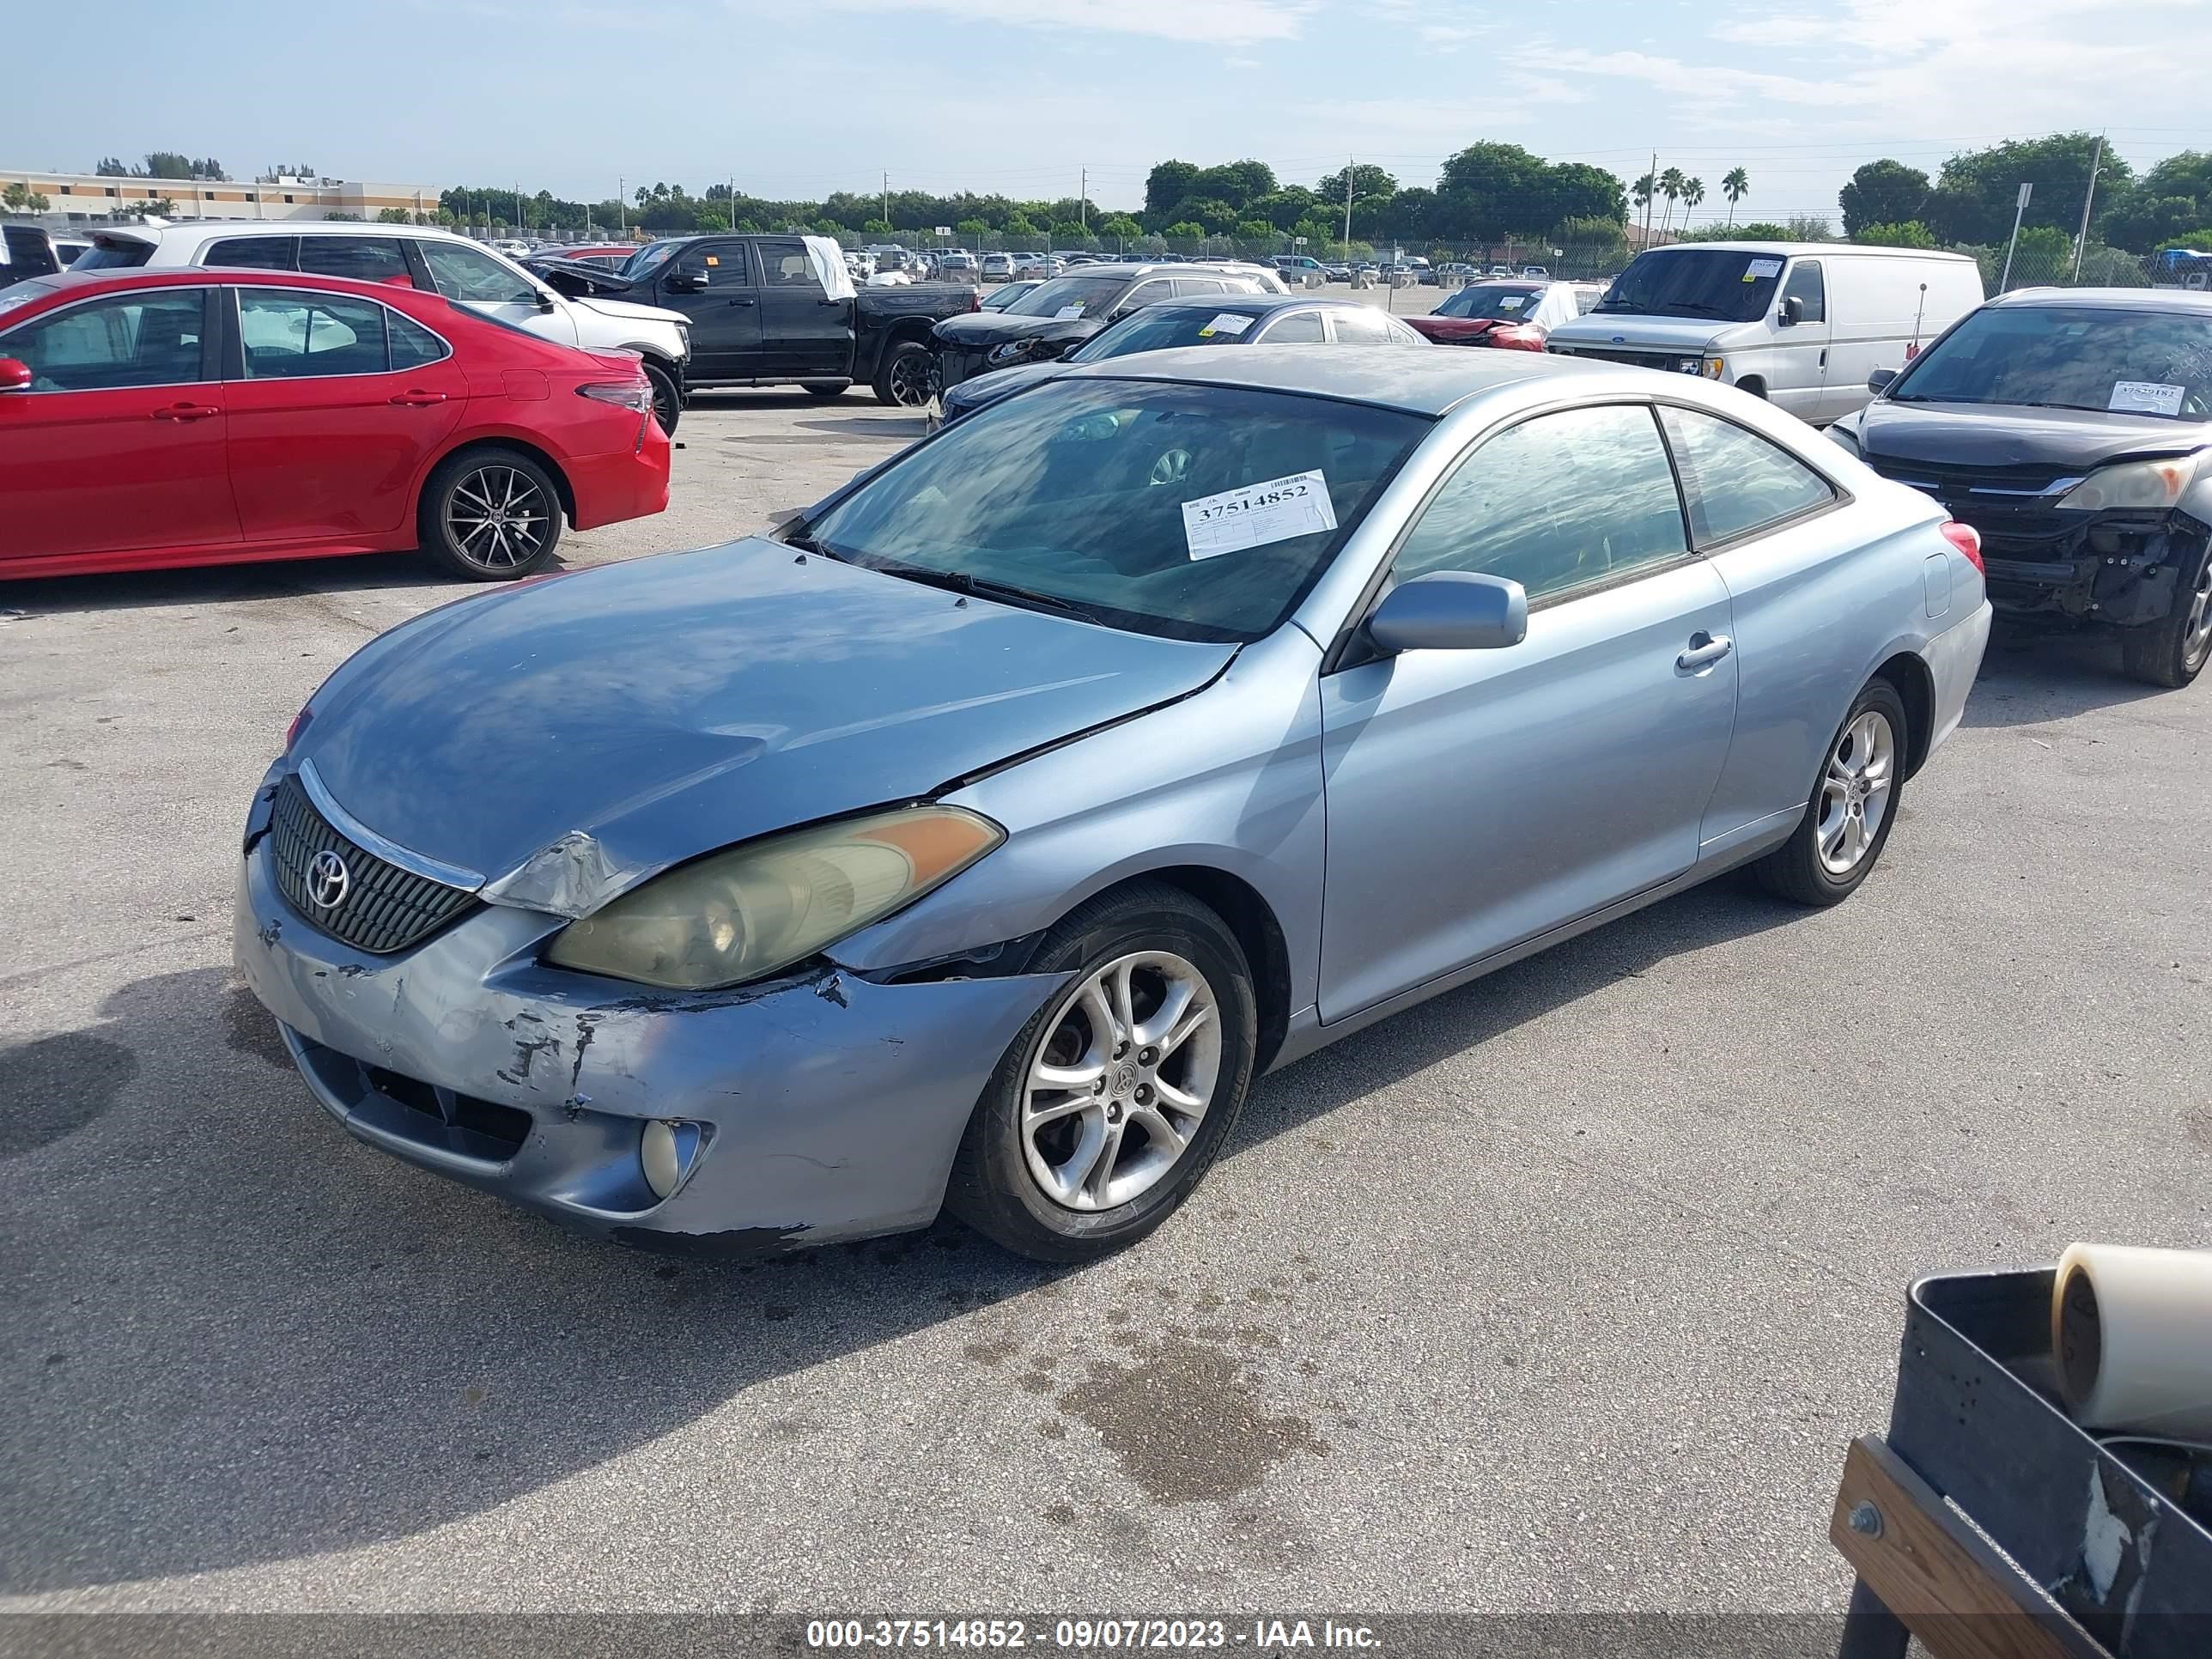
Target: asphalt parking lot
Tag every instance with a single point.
(1563, 1292)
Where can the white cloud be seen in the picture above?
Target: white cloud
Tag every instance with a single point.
(1221, 22)
(1240, 62)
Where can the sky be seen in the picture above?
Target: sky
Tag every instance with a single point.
(797, 98)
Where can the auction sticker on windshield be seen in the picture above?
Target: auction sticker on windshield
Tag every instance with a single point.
(1066, 311)
(1273, 510)
(2147, 396)
(1227, 322)
(1759, 267)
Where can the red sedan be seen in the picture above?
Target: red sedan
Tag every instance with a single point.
(1518, 316)
(158, 418)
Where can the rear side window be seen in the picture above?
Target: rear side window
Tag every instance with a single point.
(412, 345)
(292, 335)
(1299, 328)
(473, 276)
(1357, 325)
(254, 252)
(126, 340)
(785, 264)
(1735, 482)
(364, 258)
(1200, 285)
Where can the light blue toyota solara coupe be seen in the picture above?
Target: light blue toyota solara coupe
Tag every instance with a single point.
(974, 840)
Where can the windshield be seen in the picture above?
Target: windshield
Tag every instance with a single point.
(113, 255)
(652, 254)
(1506, 304)
(1076, 296)
(1736, 287)
(999, 298)
(1199, 513)
(21, 294)
(2137, 362)
(1156, 328)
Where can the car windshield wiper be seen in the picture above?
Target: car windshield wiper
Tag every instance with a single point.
(1623, 305)
(1705, 307)
(982, 587)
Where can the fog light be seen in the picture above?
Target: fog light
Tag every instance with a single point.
(666, 1148)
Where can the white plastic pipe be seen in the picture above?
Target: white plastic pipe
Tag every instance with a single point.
(2131, 1331)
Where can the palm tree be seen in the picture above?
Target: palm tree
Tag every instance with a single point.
(1693, 192)
(1735, 187)
(1641, 191)
(1670, 186)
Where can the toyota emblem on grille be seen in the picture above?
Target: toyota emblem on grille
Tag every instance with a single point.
(328, 879)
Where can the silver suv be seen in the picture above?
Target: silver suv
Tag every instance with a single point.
(467, 273)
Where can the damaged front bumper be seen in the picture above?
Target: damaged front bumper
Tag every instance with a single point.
(817, 1107)
(2120, 569)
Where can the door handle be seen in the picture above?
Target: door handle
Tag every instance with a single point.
(411, 398)
(743, 302)
(1705, 649)
(186, 412)
(1824, 356)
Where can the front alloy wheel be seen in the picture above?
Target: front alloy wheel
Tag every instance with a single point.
(1121, 1082)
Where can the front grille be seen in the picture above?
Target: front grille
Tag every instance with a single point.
(1999, 485)
(384, 908)
(955, 363)
(1668, 361)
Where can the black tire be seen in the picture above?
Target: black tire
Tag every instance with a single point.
(515, 486)
(1795, 870)
(903, 379)
(667, 402)
(992, 1188)
(826, 390)
(2173, 652)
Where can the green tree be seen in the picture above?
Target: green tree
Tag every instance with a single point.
(20, 197)
(1591, 242)
(1644, 190)
(1217, 215)
(1254, 230)
(392, 216)
(346, 218)
(1693, 192)
(1809, 227)
(1121, 227)
(972, 230)
(1184, 231)
(1883, 192)
(1237, 183)
(1912, 234)
(1975, 194)
(1167, 184)
(1020, 230)
(1764, 230)
(1670, 187)
(1735, 184)
(1489, 191)
(111, 166)
(2171, 204)
(1067, 233)
(168, 164)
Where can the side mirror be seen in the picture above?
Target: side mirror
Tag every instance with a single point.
(687, 282)
(547, 300)
(14, 375)
(1880, 380)
(1792, 313)
(1450, 610)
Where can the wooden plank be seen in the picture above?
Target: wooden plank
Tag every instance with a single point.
(1941, 1578)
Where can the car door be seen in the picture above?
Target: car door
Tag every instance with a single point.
(711, 282)
(1479, 798)
(118, 444)
(1765, 519)
(803, 331)
(338, 404)
(483, 281)
(1799, 383)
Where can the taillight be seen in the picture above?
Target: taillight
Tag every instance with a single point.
(1968, 540)
(622, 394)
(974, 299)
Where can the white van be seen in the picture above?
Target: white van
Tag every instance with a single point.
(1801, 323)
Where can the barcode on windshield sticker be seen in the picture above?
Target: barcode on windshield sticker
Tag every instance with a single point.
(1273, 510)
(1227, 322)
(2147, 396)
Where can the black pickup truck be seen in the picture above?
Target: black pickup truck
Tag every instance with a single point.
(760, 315)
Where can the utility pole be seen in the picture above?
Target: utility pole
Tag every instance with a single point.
(887, 204)
(1083, 204)
(621, 208)
(1347, 207)
(2082, 241)
(2018, 212)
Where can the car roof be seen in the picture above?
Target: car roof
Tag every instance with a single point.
(1825, 250)
(1418, 382)
(73, 283)
(1257, 305)
(2110, 299)
(219, 228)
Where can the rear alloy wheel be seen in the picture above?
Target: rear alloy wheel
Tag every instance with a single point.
(2173, 652)
(1110, 1105)
(491, 515)
(904, 380)
(1855, 802)
(667, 403)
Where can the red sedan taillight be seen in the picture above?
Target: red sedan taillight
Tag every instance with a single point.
(622, 394)
(1517, 337)
(1968, 540)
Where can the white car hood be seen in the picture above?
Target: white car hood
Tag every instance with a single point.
(629, 313)
(1664, 333)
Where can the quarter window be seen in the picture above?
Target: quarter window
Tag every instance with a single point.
(126, 340)
(364, 258)
(1556, 503)
(1299, 328)
(1736, 483)
(412, 345)
(294, 335)
(1806, 283)
(1357, 325)
(254, 253)
(473, 276)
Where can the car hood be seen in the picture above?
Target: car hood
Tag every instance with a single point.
(980, 330)
(2011, 434)
(669, 706)
(629, 312)
(1666, 333)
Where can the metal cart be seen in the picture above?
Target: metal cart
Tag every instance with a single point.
(1987, 1524)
